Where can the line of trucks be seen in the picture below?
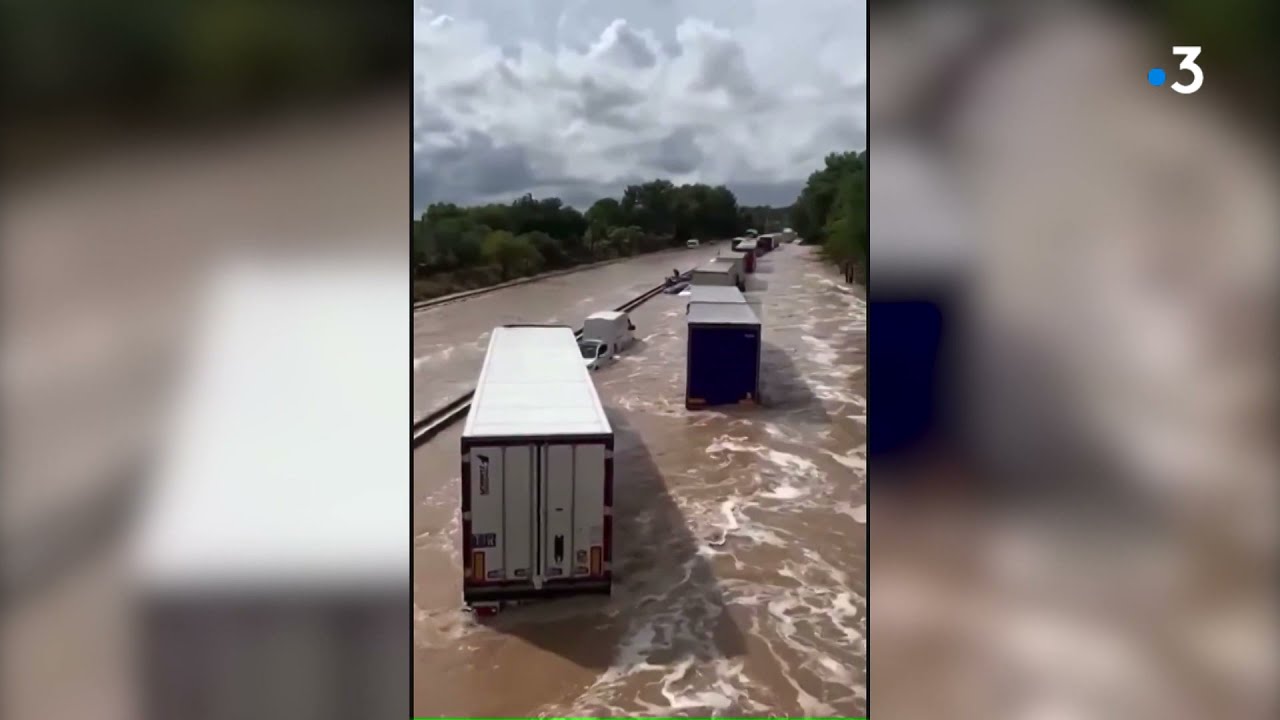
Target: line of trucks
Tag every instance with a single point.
(537, 450)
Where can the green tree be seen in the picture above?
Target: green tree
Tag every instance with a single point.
(495, 217)
(515, 256)
(606, 212)
(651, 206)
(832, 210)
(550, 249)
(624, 241)
(457, 242)
(813, 208)
(848, 239)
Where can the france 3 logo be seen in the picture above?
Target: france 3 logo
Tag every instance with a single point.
(1156, 76)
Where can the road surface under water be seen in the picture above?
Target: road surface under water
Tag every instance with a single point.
(741, 538)
(449, 341)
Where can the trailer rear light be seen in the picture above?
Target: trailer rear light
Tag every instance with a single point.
(597, 560)
(477, 566)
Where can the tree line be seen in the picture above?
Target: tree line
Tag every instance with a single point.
(457, 248)
(833, 210)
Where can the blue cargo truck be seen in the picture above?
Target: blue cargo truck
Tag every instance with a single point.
(723, 355)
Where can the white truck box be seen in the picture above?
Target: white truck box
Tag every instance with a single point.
(611, 327)
(272, 551)
(537, 473)
(721, 271)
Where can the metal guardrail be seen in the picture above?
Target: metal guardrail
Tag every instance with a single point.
(439, 419)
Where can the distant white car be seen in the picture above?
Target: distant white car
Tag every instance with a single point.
(692, 243)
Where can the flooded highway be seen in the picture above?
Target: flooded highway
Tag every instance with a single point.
(449, 340)
(740, 577)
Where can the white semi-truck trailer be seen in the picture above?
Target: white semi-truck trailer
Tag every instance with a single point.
(537, 473)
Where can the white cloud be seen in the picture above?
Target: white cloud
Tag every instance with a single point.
(578, 97)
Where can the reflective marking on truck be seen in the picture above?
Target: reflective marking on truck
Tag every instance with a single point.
(484, 474)
(477, 565)
(597, 553)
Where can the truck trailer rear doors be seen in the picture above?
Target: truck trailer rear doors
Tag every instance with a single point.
(536, 518)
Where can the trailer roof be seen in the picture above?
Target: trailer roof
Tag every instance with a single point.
(265, 486)
(746, 243)
(715, 267)
(534, 382)
(716, 294)
(704, 313)
(606, 315)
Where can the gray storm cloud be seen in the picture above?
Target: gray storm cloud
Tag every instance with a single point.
(584, 98)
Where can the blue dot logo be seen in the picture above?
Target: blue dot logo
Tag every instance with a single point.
(1155, 76)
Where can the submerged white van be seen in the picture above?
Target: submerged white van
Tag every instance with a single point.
(604, 335)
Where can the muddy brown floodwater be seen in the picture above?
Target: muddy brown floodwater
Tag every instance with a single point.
(740, 579)
(449, 341)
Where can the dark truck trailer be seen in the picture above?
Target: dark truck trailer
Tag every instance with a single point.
(722, 355)
(537, 473)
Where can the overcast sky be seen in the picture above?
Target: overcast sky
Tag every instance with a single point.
(578, 98)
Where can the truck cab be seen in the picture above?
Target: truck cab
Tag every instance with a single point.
(595, 353)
